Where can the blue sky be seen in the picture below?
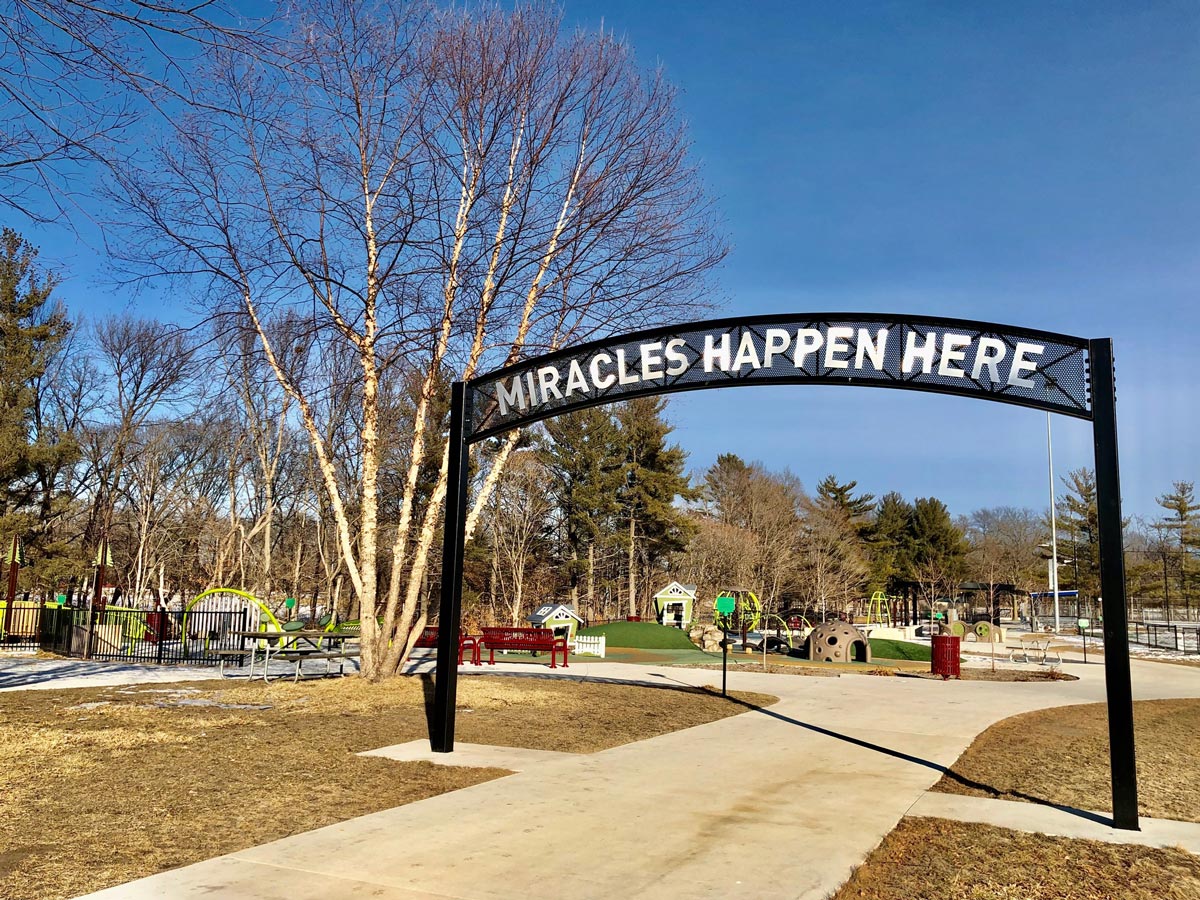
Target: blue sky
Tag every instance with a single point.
(1025, 163)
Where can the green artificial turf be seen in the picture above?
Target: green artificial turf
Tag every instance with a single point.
(643, 635)
(888, 649)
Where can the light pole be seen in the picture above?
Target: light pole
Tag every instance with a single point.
(1053, 525)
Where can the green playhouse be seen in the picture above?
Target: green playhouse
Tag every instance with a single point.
(673, 605)
(560, 618)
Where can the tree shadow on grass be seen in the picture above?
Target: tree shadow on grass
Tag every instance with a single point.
(956, 777)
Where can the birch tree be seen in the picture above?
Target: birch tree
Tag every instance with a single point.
(429, 194)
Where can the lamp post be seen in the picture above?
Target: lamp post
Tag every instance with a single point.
(1053, 525)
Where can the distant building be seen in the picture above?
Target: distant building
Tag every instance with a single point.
(675, 604)
(560, 618)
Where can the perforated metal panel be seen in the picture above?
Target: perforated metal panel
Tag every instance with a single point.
(992, 362)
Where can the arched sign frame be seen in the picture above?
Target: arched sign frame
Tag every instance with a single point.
(1044, 370)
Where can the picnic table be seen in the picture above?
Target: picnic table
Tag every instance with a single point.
(1040, 644)
(295, 647)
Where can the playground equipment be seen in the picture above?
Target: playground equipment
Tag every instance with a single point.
(747, 611)
(879, 609)
(838, 642)
(226, 611)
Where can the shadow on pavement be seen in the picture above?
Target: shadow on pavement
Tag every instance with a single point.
(929, 764)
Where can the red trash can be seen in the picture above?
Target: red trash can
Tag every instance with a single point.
(945, 655)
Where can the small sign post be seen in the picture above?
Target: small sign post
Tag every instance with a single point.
(1084, 624)
(725, 606)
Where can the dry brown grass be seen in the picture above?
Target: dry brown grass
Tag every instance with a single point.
(103, 785)
(935, 859)
(1060, 756)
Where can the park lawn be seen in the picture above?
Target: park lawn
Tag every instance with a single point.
(1060, 756)
(936, 859)
(643, 635)
(104, 785)
(885, 648)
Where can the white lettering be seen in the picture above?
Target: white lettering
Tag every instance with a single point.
(990, 352)
(713, 355)
(777, 341)
(514, 395)
(808, 341)
(548, 381)
(952, 352)
(623, 375)
(601, 382)
(925, 353)
(1021, 364)
(873, 350)
(678, 360)
(836, 343)
(747, 353)
(533, 397)
(575, 379)
(650, 360)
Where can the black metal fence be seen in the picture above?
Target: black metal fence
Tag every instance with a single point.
(129, 635)
(1183, 637)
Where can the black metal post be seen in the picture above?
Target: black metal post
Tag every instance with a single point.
(1117, 680)
(441, 738)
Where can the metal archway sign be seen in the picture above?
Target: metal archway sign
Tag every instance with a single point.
(1071, 376)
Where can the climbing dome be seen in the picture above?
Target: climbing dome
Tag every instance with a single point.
(838, 642)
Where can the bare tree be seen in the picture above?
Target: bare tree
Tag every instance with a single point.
(144, 365)
(518, 523)
(76, 74)
(428, 195)
(833, 566)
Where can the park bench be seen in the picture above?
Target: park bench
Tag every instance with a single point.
(230, 654)
(1038, 643)
(533, 639)
(429, 640)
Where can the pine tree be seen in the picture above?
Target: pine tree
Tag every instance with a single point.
(587, 466)
(654, 478)
(32, 329)
(832, 493)
(727, 488)
(1078, 517)
(1185, 524)
(936, 547)
(889, 546)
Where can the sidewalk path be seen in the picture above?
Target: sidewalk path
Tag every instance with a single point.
(776, 803)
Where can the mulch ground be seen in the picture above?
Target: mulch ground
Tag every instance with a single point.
(104, 785)
(935, 859)
(1060, 756)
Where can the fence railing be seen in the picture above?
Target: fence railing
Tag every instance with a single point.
(129, 635)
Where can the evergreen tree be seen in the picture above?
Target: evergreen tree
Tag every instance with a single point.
(936, 548)
(1078, 519)
(831, 493)
(727, 488)
(586, 463)
(889, 550)
(1183, 522)
(654, 478)
(32, 329)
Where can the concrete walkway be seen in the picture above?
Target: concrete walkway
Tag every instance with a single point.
(31, 673)
(1057, 820)
(776, 803)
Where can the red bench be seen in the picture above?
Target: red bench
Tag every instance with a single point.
(534, 639)
(429, 639)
